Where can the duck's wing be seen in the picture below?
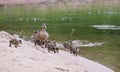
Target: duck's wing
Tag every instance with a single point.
(37, 31)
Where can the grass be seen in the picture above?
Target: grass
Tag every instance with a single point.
(60, 20)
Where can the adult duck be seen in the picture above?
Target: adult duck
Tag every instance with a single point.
(42, 34)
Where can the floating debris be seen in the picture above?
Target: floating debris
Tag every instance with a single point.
(111, 27)
(64, 18)
(89, 12)
(80, 43)
(20, 19)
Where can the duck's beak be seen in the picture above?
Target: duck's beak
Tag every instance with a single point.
(44, 26)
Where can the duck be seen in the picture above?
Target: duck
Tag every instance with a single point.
(41, 34)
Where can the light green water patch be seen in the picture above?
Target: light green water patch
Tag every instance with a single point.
(110, 27)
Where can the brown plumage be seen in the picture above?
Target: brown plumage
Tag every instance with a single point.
(14, 42)
(41, 34)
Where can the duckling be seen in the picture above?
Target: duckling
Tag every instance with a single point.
(14, 42)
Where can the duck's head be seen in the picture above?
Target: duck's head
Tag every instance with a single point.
(44, 26)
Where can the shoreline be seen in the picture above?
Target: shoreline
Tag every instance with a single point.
(28, 58)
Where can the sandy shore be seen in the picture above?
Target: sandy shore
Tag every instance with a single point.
(28, 58)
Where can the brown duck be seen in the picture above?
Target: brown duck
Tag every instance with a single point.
(41, 34)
